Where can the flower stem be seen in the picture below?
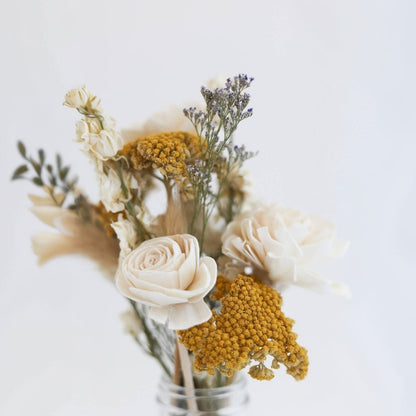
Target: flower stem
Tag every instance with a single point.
(143, 233)
(150, 340)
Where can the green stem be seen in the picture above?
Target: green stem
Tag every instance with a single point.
(150, 339)
(143, 233)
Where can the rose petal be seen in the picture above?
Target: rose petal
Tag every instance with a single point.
(269, 244)
(205, 279)
(186, 272)
(317, 252)
(152, 298)
(159, 314)
(186, 315)
(281, 268)
(311, 280)
(165, 280)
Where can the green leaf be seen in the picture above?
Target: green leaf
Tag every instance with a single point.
(72, 183)
(63, 172)
(41, 153)
(22, 149)
(19, 171)
(49, 168)
(37, 181)
(59, 161)
(36, 166)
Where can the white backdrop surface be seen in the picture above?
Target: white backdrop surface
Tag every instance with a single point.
(334, 102)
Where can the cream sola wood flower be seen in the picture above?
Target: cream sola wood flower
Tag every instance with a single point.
(74, 236)
(167, 274)
(284, 245)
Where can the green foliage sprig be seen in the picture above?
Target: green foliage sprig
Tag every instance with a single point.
(43, 174)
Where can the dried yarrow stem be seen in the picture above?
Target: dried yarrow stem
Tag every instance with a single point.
(249, 327)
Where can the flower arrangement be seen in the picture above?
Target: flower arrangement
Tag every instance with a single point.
(204, 278)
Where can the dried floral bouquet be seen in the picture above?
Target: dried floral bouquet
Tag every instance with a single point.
(203, 278)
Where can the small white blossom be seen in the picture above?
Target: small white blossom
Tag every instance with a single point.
(77, 97)
(95, 104)
(82, 131)
(105, 144)
(126, 234)
(111, 193)
(82, 98)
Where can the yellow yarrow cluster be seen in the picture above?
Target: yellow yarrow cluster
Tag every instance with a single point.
(167, 152)
(250, 327)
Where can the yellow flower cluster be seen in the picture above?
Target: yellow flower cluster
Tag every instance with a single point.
(167, 152)
(250, 327)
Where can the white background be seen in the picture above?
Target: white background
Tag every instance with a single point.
(334, 102)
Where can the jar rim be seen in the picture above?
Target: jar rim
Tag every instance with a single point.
(239, 382)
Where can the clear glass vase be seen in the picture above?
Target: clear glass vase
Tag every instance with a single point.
(231, 400)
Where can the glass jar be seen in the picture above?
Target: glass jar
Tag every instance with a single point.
(231, 400)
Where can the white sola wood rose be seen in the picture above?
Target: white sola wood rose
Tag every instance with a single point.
(167, 274)
(285, 244)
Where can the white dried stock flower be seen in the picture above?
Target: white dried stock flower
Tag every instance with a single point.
(126, 234)
(111, 192)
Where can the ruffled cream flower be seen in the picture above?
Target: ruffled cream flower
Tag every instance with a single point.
(102, 145)
(126, 234)
(97, 131)
(167, 274)
(111, 192)
(285, 244)
(74, 237)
